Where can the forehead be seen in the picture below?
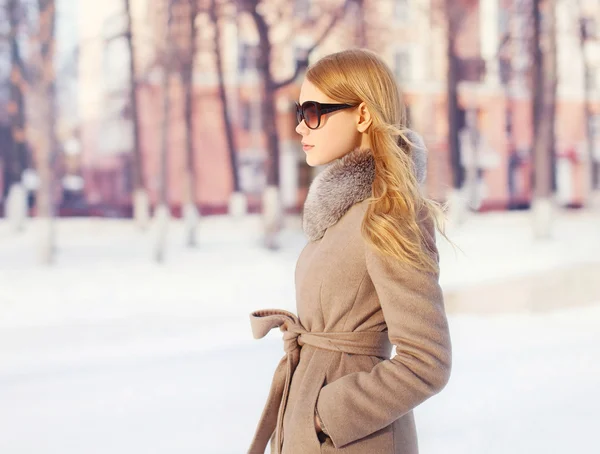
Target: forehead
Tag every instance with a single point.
(308, 92)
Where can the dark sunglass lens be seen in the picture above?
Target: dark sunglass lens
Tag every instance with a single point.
(311, 114)
(298, 113)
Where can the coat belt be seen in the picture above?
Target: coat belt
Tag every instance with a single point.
(372, 343)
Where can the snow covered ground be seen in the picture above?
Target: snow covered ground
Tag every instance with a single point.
(107, 352)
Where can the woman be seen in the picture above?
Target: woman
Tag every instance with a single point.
(366, 281)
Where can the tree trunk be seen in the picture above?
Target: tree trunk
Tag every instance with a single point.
(272, 204)
(272, 209)
(594, 167)
(162, 213)
(47, 143)
(271, 201)
(268, 106)
(544, 97)
(593, 185)
(163, 193)
(472, 142)
(16, 156)
(190, 209)
(237, 195)
(456, 199)
(141, 203)
(453, 108)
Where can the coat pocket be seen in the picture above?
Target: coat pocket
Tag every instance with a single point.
(380, 442)
(299, 432)
(319, 437)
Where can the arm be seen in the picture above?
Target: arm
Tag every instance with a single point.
(361, 403)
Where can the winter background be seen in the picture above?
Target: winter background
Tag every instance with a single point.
(107, 352)
(120, 339)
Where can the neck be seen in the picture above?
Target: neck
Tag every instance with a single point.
(365, 141)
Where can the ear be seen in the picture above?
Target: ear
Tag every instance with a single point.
(364, 117)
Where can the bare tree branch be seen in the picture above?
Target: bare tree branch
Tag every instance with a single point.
(301, 65)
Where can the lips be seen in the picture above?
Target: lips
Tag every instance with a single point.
(306, 147)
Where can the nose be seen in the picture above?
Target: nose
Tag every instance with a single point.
(302, 129)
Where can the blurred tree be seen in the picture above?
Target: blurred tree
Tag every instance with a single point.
(586, 34)
(141, 203)
(45, 140)
(264, 14)
(190, 206)
(183, 32)
(238, 202)
(16, 156)
(544, 83)
(167, 61)
(454, 13)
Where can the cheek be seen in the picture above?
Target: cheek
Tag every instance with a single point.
(342, 136)
(334, 139)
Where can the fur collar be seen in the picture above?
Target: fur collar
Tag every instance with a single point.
(345, 182)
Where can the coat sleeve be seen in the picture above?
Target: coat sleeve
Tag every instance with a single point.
(358, 404)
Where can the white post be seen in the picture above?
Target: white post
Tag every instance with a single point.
(141, 208)
(162, 217)
(16, 207)
(272, 216)
(238, 204)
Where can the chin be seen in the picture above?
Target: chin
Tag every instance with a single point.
(311, 161)
(314, 161)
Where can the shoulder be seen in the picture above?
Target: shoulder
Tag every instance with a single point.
(356, 213)
(350, 224)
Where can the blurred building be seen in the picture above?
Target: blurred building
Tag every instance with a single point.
(494, 95)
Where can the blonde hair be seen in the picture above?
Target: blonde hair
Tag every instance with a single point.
(397, 208)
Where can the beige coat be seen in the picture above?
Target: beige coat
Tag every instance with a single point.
(352, 306)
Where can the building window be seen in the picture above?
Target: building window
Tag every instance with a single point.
(401, 10)
(471, 69)
(252, 172)
(520, 46)
(505, 70)
(117, 130)
(589, 29)
(503, 22)
(591, 78)
(402, 68)
(246, 111)
(116, 64)
(248, 57)
(594, 122)
(509, 122)
(251, 116)
(300, 54)
(302, 9)
(595, 127)
(407, 116)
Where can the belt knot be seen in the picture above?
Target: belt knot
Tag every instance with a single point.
(294, 336)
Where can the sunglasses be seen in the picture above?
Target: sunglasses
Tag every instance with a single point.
(311, 111)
